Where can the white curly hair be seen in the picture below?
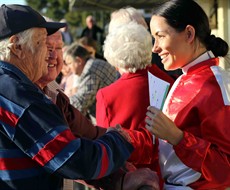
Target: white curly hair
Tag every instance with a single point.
(128, 47)
(124, 16)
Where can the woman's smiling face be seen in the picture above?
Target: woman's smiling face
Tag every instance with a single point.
(173, 47)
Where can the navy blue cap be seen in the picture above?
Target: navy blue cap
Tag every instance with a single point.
(17, 18)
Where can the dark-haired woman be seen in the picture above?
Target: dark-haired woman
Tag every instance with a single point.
(193, 127)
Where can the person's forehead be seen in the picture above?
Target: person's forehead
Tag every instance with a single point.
(90, 18)
(159, 23)
(55, 38)
(40, 32)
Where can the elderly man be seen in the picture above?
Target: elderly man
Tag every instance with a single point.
(79, 124)
(92, 30)
(37, 147)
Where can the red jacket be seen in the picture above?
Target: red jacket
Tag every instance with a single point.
(199, 105)
(125, 102)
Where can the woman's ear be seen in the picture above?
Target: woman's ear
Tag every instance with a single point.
(16, 49)
(190, 33)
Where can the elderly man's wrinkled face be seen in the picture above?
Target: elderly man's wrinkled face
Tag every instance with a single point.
(55, 59)
(55, 62)
(39, 57)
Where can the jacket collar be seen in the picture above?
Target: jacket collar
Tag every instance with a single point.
(205, 56)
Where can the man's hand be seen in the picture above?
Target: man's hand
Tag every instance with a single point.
(141, 179)
(122, 131)
(127, 178)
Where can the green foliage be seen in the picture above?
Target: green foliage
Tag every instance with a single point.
(55, 9)
(37, 5)
(59, 9)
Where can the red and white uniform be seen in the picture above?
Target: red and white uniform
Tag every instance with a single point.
(199, 104)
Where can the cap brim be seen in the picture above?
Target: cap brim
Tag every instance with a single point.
(53, 27)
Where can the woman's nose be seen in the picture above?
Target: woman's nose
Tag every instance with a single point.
(156, 47)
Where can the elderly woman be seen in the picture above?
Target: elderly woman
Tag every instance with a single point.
(126, 100)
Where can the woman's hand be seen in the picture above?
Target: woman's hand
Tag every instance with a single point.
(162, 127)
